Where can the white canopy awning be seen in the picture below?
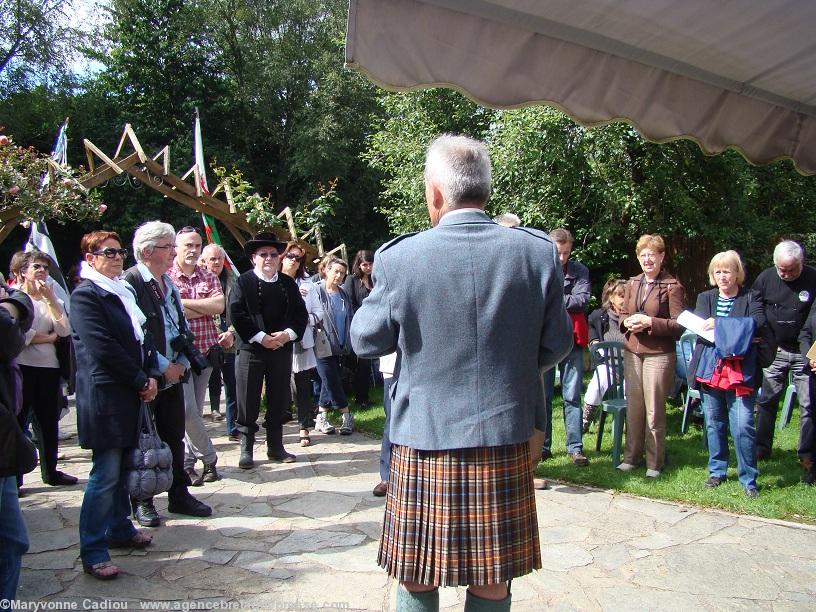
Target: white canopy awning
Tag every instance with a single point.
(739, 74)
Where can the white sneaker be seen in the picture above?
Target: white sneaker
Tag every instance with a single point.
(653, 473)
(322, 424)
(626, 467)
(348, 424)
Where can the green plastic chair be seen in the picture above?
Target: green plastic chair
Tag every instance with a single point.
(614, 402)
(687, 342)
(787, 404)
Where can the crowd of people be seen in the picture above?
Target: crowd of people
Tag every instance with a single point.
(177, 324)
(469, 381)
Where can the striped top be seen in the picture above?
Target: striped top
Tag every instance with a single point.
(724, 306)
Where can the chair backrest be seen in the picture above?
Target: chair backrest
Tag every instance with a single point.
(687, 343)
(609, 354)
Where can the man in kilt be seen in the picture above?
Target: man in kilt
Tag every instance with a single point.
(471, 339)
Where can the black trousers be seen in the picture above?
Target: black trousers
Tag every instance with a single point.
(42, 399)
(362, 380)
(168, 407)
(304, 400)
(255, 367)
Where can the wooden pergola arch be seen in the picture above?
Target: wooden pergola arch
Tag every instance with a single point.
(154, 172)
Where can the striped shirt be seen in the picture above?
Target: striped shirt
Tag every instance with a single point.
(724, 306)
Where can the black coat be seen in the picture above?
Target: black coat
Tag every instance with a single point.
(12, 341)
(111, 369)
(245, 314)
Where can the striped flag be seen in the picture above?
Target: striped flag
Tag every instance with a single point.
(209, 222)
(39, 238)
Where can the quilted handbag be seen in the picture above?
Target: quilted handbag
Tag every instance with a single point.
(148, 467)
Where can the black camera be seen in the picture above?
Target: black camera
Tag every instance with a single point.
(183, 343)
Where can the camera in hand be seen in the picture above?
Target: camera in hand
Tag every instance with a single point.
(183, 344)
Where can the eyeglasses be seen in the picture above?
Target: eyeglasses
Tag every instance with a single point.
(40, 266)
(271, 255)
(293, 257)
(188, 229)
(111, 253)
(164, 246)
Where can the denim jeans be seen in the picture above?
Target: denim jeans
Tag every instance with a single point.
(721, 409)
(105, 512)
(332, 394)
(774, 383)
(13, 538)
(571, 369)
(385, 447)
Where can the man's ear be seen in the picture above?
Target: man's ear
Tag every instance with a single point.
(435, 201)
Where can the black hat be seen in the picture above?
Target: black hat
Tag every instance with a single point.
(263, 239)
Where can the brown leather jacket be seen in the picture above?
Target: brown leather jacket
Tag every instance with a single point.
(663, 302)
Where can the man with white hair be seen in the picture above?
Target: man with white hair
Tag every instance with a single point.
(787, 290)
(460, 507)
(154, 249)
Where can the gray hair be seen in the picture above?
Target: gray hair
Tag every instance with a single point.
(788, 250)
(508, 220)
(461, 168)
(214, 247)
(148, 234)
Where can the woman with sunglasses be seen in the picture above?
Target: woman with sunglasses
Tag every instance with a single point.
(293, 264)
(40, 366)
(116, 371)
(357, 286)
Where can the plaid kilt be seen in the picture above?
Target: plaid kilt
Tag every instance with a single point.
(458, 517)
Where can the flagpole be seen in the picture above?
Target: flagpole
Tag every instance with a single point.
(210, 230)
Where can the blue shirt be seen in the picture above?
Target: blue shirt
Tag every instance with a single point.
(171, 319)
(338, 306)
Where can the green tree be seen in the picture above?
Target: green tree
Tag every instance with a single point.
(37, 42)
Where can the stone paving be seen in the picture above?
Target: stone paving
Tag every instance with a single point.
(304, 536)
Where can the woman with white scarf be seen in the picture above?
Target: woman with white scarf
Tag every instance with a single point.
(116, 371)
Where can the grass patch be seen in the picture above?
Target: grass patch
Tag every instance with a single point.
(782, 495)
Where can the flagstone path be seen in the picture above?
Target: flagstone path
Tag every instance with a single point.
(304, 536)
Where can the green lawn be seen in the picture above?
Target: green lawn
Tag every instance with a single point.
(781, 493)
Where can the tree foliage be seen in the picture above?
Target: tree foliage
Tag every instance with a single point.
(607, 185)
(39, 189)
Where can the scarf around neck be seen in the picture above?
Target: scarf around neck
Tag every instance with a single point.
(123, 291)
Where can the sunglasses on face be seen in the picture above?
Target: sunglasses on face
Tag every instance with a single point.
(271, 255)
(293, 257)
(40, 266)
(111, 253)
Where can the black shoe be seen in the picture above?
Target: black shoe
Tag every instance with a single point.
(208, 474)
(715, 481)
(189, 505)
(60, 479)
(280, 456)
(146, 515)
(546, 453)
(810, 477)
(245, 461)
(234, 436)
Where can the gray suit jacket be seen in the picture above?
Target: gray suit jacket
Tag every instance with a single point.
(474, 311)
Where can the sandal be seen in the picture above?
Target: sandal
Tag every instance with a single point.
(105, 570)
(305, 440)
(139, 540)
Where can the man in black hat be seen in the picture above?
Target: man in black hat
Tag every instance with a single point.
(268, 314)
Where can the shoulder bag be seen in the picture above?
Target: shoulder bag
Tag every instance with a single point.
(148, 466)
